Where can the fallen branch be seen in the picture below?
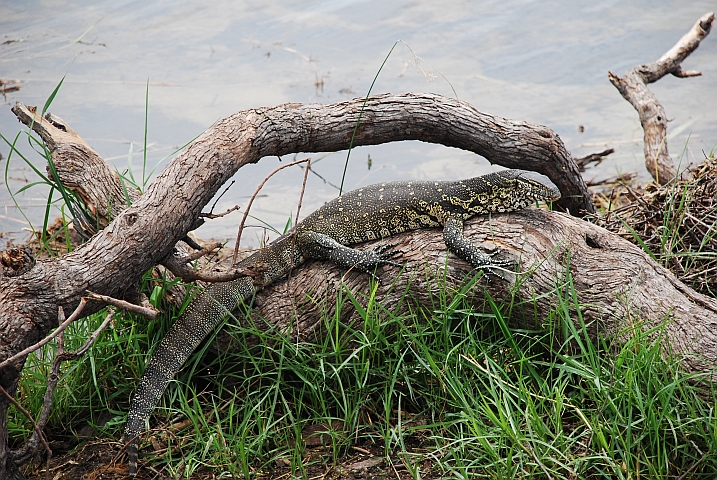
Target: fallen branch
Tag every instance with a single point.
(595, 158)
(633, 87)
(613, 279)
(149, 312)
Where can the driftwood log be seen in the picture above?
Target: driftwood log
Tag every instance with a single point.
(614, 279)
(633, 87)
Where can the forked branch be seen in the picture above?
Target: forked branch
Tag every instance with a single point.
(633, 87)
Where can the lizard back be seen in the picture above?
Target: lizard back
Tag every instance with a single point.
(385, 209)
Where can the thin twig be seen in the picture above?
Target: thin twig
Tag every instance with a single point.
(535, 457)
(75, 315)
(219, 198)
(89, 342)
(201, 253)
(149, 313)
(179, 267)
(323, 179)
(212, 216)
(595, 158)
(693, 467)
(251, 200)
(303, 189)
(29, 417)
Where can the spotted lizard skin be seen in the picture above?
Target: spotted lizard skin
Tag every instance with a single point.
(369, 213)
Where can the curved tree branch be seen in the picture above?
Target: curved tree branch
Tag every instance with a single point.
(144, 233)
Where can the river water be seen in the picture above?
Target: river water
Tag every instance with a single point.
(541, 61)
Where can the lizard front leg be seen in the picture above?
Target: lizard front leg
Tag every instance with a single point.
(465, 249)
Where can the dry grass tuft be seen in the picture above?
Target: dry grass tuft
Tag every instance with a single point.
(675, 223)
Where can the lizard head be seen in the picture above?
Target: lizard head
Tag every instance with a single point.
(534, 186)
(516, 189)
(508, 191)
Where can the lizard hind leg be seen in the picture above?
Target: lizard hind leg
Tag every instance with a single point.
(321, 246)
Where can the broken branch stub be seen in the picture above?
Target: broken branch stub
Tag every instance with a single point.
(79, 168)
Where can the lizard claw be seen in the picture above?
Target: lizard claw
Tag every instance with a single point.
(494, 268)
(377, 256)
(490, 266)
(385, 252)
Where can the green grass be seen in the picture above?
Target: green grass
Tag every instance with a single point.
(452, 392)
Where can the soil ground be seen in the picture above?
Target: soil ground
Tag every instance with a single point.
(104, 460)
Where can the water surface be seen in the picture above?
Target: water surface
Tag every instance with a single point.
(544, 62)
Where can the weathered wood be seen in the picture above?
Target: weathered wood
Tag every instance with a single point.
(633, 87)
(139, 237)
(79, 167)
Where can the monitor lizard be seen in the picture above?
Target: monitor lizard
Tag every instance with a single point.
(369, 213)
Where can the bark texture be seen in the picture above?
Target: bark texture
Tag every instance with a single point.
(79, 168)
(633, 87)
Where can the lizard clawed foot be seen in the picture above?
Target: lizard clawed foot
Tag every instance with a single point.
(385, 252)
(492, 267)
(377, 256)
(497, 268)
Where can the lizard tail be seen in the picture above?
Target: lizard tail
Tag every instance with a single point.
(201, 318)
